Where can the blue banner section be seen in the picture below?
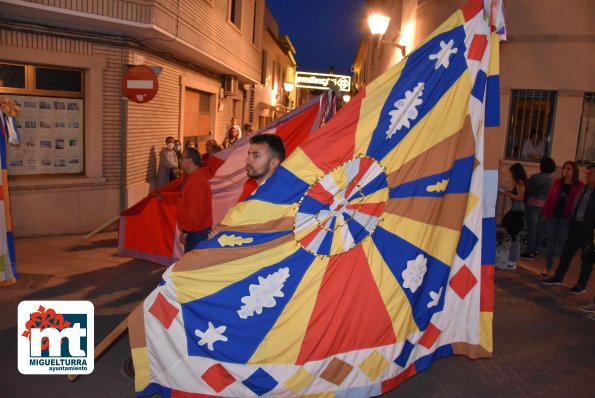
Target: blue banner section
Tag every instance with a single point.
(310, 205)
(467, 242)
(424, 362)
(456, 180)
(429, 73)
(230, 324)
(492, 113)
(260, 382)
(424, 275)
(282, 188)
(479, 86)
(488, 241)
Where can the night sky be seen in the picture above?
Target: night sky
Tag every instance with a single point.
(324, 33)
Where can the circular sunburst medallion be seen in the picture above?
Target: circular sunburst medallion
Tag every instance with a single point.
(342, 208)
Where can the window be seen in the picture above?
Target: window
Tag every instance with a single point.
(274, 73)
(51, 119)
(530, 124)
(263, 68)
(12, 76)
(41, 80)
(254, 23)
(235, 12)
(585, 151)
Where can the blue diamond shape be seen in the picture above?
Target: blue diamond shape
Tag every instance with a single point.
(260, 382)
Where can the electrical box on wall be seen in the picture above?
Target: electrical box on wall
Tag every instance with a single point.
(230, 85)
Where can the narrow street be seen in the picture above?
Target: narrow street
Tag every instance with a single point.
(543, 345)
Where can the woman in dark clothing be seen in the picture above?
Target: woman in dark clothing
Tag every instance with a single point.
(558, 209)
(513, 219)
(537, 189)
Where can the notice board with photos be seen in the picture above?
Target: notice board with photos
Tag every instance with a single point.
(51, 130)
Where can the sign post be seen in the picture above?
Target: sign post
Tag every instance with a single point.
(140, 84)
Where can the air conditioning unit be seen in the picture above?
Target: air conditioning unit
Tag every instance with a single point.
(230, 85)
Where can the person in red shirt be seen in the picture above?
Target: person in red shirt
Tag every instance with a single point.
(194, 215)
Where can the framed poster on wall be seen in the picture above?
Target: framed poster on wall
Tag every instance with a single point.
(51, 130)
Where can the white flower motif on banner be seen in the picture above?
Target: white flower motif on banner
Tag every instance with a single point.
(435, 298)
(442, 57)
(211, 335)
(405, 110)
(414, 274)
(263, 295)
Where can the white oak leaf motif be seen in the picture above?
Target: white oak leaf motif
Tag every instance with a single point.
(263, 295)
(405, 110)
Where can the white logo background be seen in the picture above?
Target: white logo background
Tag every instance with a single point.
(53, 364)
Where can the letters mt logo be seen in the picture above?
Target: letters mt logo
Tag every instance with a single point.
(56, 337)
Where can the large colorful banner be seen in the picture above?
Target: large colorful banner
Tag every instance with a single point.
(365, 257)
(148, 230)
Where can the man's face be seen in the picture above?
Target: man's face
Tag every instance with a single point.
(260, 163)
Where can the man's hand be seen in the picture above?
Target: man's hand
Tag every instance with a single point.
(183, 238)
(214, 231)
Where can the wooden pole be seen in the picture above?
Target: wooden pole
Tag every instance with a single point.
(106, 343)
(96, 231)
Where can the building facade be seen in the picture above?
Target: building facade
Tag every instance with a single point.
(547, 82)
(87, 152)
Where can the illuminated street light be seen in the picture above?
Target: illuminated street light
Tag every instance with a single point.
(346, 98)
(378, 24)
(288, 86)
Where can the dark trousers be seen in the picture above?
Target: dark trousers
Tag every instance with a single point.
(193, 238)
(574, 242)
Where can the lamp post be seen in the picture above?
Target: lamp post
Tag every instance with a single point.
(378, 24)
(288, 86)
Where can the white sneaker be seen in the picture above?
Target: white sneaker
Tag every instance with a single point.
(587, 308)
(510, 266)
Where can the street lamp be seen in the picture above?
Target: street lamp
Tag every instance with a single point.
(288, 86)
(378, 25)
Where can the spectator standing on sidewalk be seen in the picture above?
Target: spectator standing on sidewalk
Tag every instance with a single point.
(194, 215)
(580, 236)
(513, 220)
(538, 187)
(557, 211)
(168, 160)
(233, 134)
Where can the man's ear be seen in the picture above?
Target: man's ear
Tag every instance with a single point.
(275, 162)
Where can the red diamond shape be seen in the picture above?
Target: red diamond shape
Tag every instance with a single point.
(463, 281)
(430, 336)
(478, 47)
(163, 311)
(218, 377)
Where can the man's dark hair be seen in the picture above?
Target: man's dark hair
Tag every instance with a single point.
(591, 166)
(274, 142)
(193, 154)
(547, 165)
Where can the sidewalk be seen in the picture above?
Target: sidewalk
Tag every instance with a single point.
(543, 346)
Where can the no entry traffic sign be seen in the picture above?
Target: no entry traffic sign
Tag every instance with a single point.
(140, 84)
